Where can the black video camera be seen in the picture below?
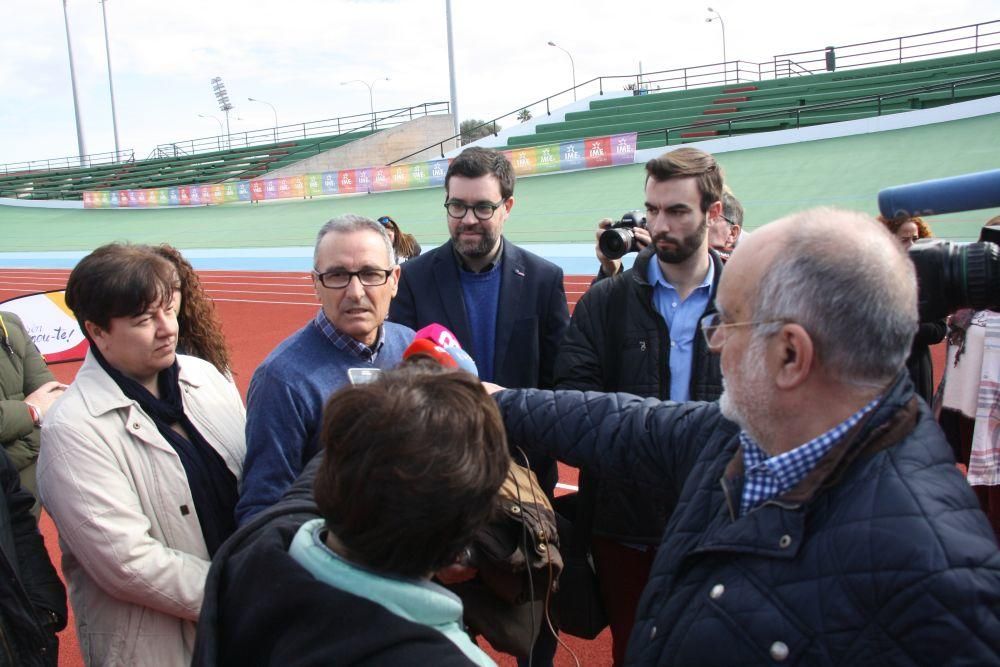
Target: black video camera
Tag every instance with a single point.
(950, 275)
(619, 239)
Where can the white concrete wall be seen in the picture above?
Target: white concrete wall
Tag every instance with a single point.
(380, 148)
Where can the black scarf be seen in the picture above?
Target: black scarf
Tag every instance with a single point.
(212, 484)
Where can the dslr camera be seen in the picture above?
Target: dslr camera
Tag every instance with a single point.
(619, 239)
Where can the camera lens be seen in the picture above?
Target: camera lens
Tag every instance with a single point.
(615, 243)
(956, 275)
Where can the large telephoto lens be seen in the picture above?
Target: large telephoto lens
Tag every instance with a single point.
(952, 276)
(615, 243)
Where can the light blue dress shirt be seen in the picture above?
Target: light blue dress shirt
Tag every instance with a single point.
(682, 321)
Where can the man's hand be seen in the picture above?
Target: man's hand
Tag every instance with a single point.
(492, 388)
(43, 397)
(611, 267)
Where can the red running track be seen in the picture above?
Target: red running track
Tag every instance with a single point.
(259, 310)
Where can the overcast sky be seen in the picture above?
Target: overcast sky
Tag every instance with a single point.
(295, 53)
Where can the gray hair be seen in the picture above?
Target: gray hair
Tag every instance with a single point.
(732, 209)
(844, 279)
(346, 224)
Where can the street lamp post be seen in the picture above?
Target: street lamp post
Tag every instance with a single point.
(572, 66)
(371, 96)
(722, 24)
(218, 143)
(275, 111)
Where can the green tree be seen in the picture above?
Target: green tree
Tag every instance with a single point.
(524, 115)
(473, 129)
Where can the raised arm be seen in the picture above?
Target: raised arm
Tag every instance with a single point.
(615, 435)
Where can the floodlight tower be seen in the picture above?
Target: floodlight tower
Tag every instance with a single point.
(222, 97)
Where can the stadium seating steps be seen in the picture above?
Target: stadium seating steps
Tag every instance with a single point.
(213, 167)
(711, 108)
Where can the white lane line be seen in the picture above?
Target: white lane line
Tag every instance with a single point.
(314, 304)
(221, 282)
(251, 291)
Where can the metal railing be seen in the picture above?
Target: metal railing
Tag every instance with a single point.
(895, 50)
(797, 111)
(964, 39)
(380, 120)
(68, 162)
(973, 38)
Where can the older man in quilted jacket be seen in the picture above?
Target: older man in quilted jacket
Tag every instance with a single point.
(820, 517)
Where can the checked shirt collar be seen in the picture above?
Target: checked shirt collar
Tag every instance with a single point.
(766, 478)
(348, 344)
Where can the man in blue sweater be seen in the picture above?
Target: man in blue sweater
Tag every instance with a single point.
(355, 276)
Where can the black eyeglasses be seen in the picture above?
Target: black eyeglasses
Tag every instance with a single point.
(341, 279)
(483, 210)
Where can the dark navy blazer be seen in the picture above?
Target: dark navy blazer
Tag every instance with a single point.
(532, 316)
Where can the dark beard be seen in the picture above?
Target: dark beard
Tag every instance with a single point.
(482, 248)
(686, 246)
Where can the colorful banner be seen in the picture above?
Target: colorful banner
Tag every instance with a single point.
(566, 156)
(50, 325)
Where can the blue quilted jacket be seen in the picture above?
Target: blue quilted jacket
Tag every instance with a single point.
(880, 556)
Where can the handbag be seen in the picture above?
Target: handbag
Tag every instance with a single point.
(519, 563)
(578, 608)
(517, 553)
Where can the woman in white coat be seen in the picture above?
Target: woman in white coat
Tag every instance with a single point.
(139, 464)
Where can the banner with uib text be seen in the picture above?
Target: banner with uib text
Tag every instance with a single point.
(618, 149)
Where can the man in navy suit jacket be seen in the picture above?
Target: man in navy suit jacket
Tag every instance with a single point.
(507, 306)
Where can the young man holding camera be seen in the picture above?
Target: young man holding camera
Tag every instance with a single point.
(639, 332)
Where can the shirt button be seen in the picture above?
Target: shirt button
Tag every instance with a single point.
(779, 651)
(652, 633)
(785, 541)
(674, 304)
(717, 591)
(673, 344)
(135, 426)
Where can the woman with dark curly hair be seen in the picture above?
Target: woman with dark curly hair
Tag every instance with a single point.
(404, 245)
(200, 327)
(908, 231)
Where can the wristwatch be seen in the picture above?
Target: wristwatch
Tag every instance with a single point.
(36, 414)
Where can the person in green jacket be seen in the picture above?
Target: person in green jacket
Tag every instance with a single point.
(27, 390)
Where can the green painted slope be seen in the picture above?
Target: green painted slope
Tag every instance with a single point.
(770, 182)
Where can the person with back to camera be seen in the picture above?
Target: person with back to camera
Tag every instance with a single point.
(908, 231)
(199, 326)
(139, 464)
(970, 396)
(410, 467)
(405, 245)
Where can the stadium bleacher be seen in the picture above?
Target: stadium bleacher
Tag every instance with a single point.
(211, 167)
(812, 99)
